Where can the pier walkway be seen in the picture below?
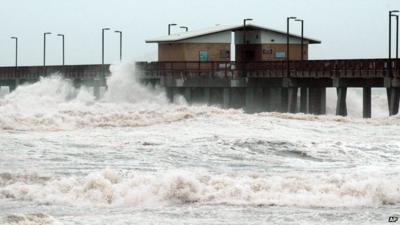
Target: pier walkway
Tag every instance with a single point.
(295, 86)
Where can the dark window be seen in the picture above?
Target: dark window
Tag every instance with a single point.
(250, 55)
(224, 54)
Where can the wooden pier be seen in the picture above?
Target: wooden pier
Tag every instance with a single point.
(299, 86)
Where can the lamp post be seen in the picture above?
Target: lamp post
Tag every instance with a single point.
(287, 43)
(102, 45)
(63, 48)
(44, 47)
(169, 27)
(244, 38)
(391, 14)
(397, 36)
(16, 51)
(302, 38)
(120, 44)
(186, 28)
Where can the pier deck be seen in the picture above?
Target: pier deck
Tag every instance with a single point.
(297, 86)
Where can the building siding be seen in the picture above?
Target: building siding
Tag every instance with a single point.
(220, 38)
(191, 51)
(267, 52)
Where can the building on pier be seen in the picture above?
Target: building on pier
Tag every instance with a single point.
(254, 43)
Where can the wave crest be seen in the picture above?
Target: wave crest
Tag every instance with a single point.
(110, 188)
(30, 219)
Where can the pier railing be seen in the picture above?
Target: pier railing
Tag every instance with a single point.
(67, 71)
(362, 68)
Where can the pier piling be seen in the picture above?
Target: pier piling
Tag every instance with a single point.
(341, 106)
(367, 102)
(394, 101)
(284, 100)
(304, 100)
(250, 99)
(317, 100)
(292, 102)
(226, 98)
(188, 94)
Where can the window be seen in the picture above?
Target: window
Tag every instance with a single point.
(267, 51)
(224, 54)
(203, 56)
(280, 55)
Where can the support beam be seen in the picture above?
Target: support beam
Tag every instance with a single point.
(226, 98)
(170, 94)
(275, 104)
(207, 96)
(292, 99)
(216, 96)
(77, 83)
(188, 95)
(304, 100)
(317, 100)
(388, 98)
(341, 106)
(250, 99)
(266, 99)
(13, 84)
(12, 87)
(284, 100)
(367, 102)
(394, 101)
(96, 90)
(258, 100)
(323, 101)
(238, 98)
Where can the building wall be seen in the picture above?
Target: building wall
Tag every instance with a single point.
(265, 37)
(252, 37)
(268, 52)
(220, 38)
(191, 51)
(268, 37)
(171, 52)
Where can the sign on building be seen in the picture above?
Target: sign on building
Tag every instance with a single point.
(203, 56)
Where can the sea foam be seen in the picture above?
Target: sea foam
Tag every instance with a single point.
(110, 188)
(54, 103)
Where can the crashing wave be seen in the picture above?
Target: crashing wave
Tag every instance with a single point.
(55, 104)
(29, 219)
(111, 189)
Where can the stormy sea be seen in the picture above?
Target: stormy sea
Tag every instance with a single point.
(134, 158)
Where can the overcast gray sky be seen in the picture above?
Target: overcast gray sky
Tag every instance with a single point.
(347, 28)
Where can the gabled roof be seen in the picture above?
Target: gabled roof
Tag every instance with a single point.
(218, 29)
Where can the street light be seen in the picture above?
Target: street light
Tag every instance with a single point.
(102, 44)
(120, 44)
(397, 36)
(302, 37)
(244, 38)
(287, 43)
(186, 28)
(63, 48)
(16, 51)
(44, 47)
(244, 29)
(391, 14)
(169, 27)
